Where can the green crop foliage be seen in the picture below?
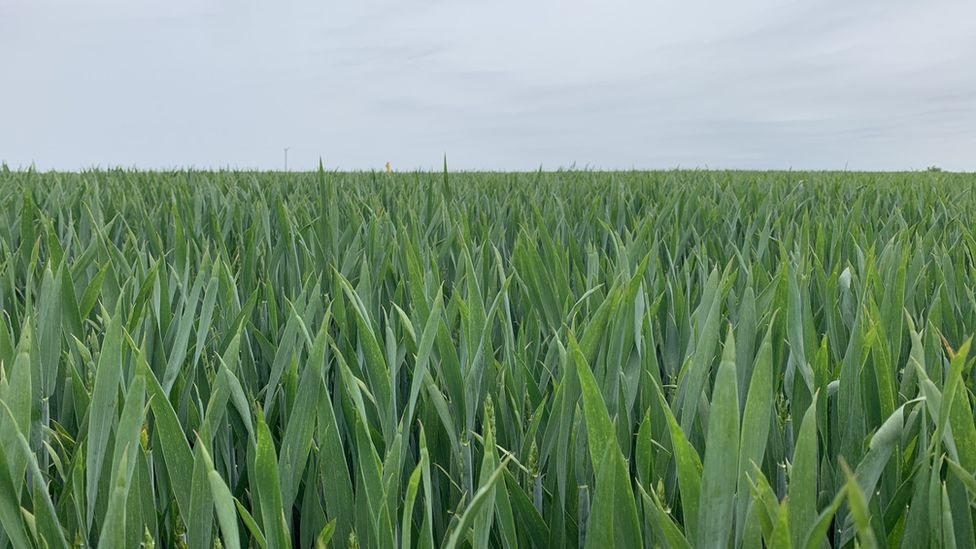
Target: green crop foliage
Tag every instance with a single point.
(472, 360)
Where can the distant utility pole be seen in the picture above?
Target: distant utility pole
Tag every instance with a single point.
(286, 158)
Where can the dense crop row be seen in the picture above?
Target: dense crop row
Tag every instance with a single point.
(678, 359)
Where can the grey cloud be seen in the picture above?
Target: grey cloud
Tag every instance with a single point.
(757, 84)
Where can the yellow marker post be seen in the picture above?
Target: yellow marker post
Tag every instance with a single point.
(387, 168)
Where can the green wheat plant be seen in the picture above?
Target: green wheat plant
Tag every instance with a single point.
(472, 360)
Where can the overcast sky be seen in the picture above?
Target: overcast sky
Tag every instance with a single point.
(495, 85)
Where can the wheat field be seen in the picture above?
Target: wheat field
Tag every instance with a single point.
(552, 359)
